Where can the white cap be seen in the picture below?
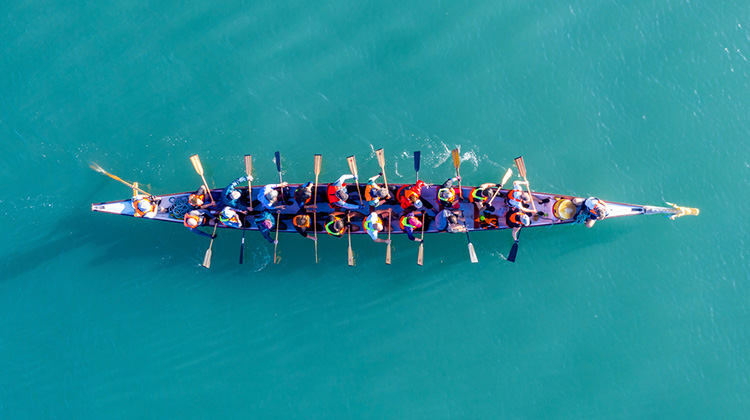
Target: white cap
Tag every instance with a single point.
(144, 206)
(234, 194)
(418, 204)
(271, 195)
(192, 221)
(228, 212)
(525, 220)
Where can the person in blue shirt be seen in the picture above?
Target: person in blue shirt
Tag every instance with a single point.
(265, 222)
(231, 195)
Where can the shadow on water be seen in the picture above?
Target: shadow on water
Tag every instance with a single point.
(112, 237)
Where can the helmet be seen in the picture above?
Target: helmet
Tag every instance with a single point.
(271, 195)
(418, 204)
(341, 194)
(525, 220)
(145, 206)
(234, 195)
(228, 213)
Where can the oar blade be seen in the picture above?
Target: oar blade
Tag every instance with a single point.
(417, 159)
(472, 253)
(196, 161)
(388, 255)
(351, 256)
(521, 166)
(456, 158)
(513, 252)
(352, 165)
(420, 257)
(381, 157)
(207, 259)
(506, 177)
(317, 164)
(242, 245)
(248, 165)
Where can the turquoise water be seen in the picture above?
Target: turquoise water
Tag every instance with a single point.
(110, 317)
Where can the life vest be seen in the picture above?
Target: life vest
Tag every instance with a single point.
(198, 218)
(301, 217)
(514, 196)
(368, 193)
(515, 219)
(136, 208)
(488, 222)
(476, 196)
(233, 222)
(449, 201)
(331, 192)
(405, 195)
(298, 193)
(368, 224)
(404, 223)
(598, 204)
(194, 197)
(329, 227)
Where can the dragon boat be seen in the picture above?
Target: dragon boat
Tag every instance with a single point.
(551, 208)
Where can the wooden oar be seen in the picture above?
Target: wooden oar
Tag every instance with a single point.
(417, 159)
(349, 230)
(353, 168)
(514, 249)
(522, 170)
(248, 171)
(316, 169)
(207, 258)
(278, 212)
(199, 168)
(457, 164)
(507, 176)
(420, 257)
(381, 161)
(388, 250)
(99, 169)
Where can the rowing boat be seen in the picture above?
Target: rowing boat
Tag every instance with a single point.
(557, 208)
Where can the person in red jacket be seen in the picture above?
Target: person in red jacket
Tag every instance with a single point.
(410, 197)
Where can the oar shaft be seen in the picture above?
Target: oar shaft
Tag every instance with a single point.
(117, 178)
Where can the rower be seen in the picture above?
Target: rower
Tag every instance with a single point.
(265, 222)
(447, 196)
(303, 194)
(593, 209)
(335, 225)
(374, 194)
(408, 223)
(302, 223)
(147, 207)
(197, 199)
(196, 218)
(229, 217)
(409, 196)
(231, 195)
(269, 196)
(373, 225)
(519, 200)
(481, 194)
(448, 221)
(337, 194)
(516, 219)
